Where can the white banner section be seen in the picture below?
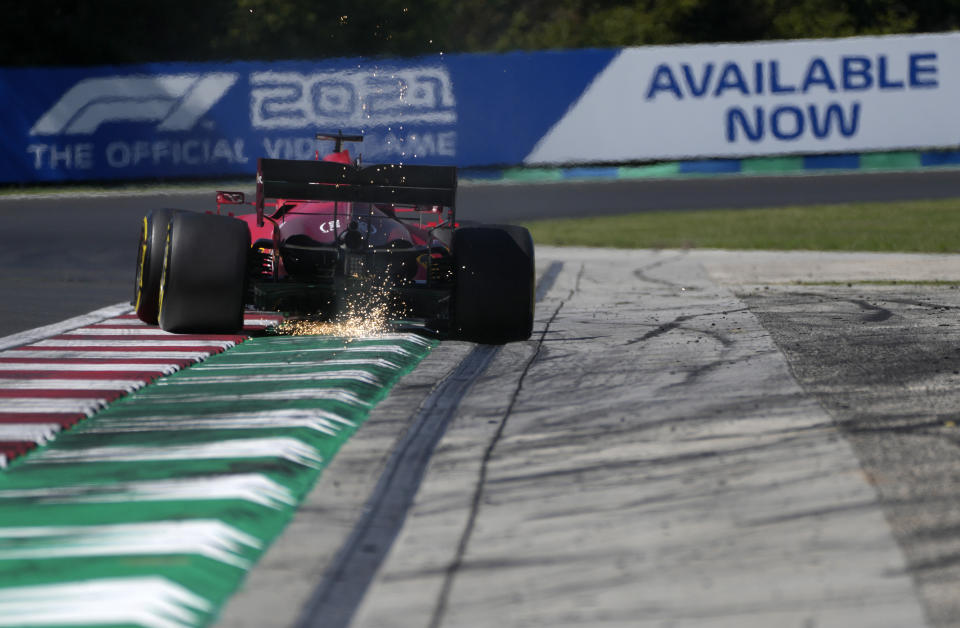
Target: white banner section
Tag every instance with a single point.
(737, 100)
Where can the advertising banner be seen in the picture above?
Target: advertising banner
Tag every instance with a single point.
(202, 120)
(196, 120)
(737, 100)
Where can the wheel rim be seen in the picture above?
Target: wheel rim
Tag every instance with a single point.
(141, 261)
(163, 274)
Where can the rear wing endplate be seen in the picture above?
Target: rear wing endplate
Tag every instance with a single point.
(330, 181)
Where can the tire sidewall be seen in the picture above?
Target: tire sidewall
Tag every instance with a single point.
(494, 293)
(204, 274)
(150, 258)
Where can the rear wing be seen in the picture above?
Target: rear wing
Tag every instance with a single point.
(330, 181)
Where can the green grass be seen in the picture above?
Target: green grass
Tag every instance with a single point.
(914, 226)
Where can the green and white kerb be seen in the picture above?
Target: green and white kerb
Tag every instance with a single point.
(151, 512)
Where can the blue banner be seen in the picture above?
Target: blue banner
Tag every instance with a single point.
(625, 105)
(215, 119)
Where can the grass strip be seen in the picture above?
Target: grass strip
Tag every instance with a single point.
(906, 226)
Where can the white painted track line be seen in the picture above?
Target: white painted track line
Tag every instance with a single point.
(43, 405)
(54, 366)
(46, 331)
(131, 354)
(70, 384)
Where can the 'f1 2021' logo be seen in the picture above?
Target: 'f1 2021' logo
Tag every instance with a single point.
(291, 100)
(175, 101)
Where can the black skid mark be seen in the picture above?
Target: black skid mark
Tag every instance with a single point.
(678, 321)
(662, 329)
(641, 273)
(877, 314)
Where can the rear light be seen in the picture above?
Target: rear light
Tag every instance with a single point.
(230, 198)
(262, 263)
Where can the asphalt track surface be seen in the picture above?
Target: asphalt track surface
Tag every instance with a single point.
(62, 256)
(689, 439)
(885, 364)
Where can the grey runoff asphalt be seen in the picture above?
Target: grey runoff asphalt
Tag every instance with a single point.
(650, 458)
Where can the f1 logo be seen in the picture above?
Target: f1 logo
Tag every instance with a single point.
(176, 101)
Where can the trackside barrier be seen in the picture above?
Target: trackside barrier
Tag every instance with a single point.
(854, 95)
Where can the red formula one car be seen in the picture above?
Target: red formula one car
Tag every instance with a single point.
(328, 235)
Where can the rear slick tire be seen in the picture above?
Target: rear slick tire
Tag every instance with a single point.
(494, 293)
(153, 240)
(204, 273)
